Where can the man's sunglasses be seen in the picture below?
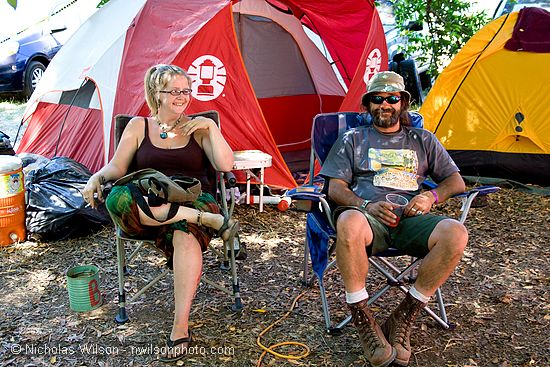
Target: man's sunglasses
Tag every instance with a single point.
(389, 99)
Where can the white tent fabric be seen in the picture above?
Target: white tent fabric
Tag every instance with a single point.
(74, 63)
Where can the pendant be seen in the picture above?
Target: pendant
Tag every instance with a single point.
(163, 135)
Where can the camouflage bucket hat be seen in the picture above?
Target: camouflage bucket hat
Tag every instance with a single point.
(387, 81)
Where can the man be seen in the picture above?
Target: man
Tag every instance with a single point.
(363, 166)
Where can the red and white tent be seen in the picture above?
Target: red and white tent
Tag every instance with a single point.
(250, 60)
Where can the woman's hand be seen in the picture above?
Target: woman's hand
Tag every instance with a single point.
(211, 140)
(94, 189)
(198, 123)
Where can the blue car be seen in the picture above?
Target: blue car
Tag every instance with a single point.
(25, 55)
(24, 58)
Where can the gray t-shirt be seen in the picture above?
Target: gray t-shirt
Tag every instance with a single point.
(375, 164)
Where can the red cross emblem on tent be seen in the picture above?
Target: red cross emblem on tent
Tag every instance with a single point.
(374, 60)
(209, 77)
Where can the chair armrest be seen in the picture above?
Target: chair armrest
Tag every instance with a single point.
(472, 197)
(107, 187)
(305, 196)
(481, 190)
(307, 192)
(429, 184)
(229, 177)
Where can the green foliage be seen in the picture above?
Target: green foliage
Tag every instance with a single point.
(13, 3)
(101, 3)
(450, 24)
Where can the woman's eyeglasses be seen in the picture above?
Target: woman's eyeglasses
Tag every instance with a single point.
(176, 93)
(389, 99)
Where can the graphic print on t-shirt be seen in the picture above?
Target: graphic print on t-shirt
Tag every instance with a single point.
(395, 168)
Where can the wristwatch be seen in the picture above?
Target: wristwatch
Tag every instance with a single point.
(364, 204)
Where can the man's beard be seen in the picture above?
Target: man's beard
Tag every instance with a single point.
(385, 122)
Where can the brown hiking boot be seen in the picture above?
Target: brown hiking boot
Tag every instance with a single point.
(379, 352)
(397, 328)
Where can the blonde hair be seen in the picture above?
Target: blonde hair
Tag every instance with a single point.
(156, 79)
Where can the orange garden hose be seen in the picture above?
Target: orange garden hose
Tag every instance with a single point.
(271, 348)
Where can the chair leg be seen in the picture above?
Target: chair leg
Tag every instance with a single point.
(324, 304)
(228, 251)
(392, 281)
(331, 330)
(122, 316)
(442, 321)
(305, 277)
(441, 305)
(398, 282)
(155, 280)
(237, 306)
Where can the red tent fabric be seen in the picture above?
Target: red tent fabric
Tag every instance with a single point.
(211, 30)
(373, 60)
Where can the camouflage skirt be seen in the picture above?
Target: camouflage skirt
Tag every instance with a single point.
(124, 212)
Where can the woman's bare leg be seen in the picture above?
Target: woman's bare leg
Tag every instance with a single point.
(191, 215)
(187, 274)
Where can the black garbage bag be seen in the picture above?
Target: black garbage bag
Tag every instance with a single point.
(5, 145)
(56, 209)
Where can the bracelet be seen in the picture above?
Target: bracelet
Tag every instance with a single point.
(199, 218)
(434, 193)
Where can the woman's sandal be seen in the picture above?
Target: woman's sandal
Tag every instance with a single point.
(228, 229)
(176, 349)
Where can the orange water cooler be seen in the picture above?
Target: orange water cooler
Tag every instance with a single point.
(12, 200)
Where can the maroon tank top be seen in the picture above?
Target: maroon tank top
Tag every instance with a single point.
(189, 160)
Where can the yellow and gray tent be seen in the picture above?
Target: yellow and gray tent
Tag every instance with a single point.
(490, 107)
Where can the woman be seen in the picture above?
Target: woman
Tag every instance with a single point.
(171, 143)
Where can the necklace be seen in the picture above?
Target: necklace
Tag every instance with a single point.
(165, 129)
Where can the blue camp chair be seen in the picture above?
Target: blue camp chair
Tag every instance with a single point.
(320, 229)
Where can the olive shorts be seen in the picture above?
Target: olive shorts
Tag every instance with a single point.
(410, 236)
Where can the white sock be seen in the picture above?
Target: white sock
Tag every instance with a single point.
(419, 296)
(358, 296)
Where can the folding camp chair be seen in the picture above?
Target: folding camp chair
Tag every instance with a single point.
(320, 229)
(227, 253)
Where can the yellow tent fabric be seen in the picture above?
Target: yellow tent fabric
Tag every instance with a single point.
(492, 104)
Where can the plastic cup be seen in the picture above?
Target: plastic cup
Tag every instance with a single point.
(398, 203)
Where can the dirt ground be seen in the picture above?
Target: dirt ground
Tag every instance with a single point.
(497, 299)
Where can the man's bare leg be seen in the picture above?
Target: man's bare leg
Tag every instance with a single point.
(446, 244)
(353, 235)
